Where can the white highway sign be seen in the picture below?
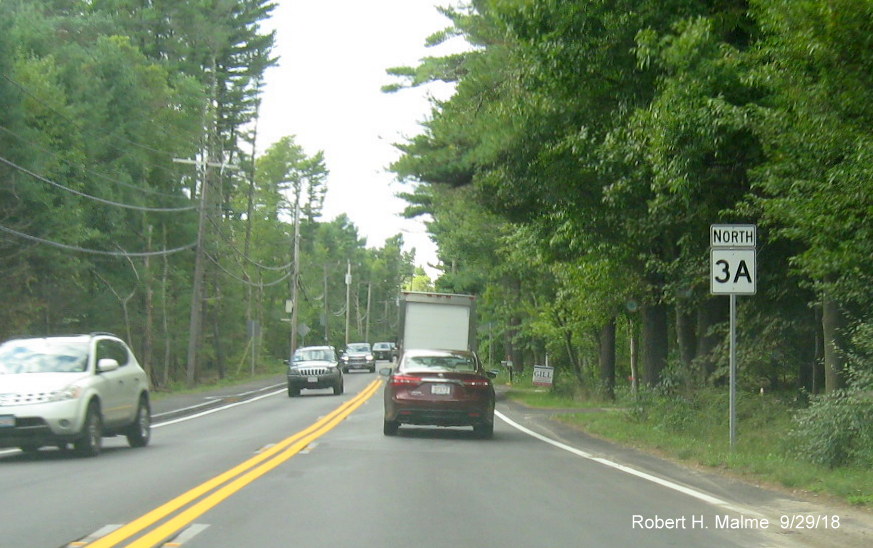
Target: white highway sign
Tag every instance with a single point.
(733, 271)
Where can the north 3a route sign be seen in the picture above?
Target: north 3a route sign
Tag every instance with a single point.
(732, 271)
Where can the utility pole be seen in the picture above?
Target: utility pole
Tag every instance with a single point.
(194, 325)
(348, 300)
(367, 331)
(296, 278)
(326, 310)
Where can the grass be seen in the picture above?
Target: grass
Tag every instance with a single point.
(695, 429)
(205, 385)
(541, 397)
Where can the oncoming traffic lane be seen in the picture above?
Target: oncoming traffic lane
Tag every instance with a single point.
(154, 527)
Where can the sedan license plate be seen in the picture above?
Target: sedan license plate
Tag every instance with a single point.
(7, 421)
(312, 380)
(441, 389)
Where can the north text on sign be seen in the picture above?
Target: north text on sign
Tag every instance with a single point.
(732, 235)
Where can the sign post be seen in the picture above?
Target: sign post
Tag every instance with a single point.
(733, 271)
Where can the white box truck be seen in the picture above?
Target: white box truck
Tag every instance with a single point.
(437, 321)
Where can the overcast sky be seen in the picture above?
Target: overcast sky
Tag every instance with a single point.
(326, 93)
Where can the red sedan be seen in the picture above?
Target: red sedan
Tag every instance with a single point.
(441, 388)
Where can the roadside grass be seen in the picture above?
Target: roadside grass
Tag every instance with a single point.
(695, 429)
(541, 397)
(265, 371)
(522, 390)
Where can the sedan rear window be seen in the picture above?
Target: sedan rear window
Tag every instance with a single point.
(440, 363)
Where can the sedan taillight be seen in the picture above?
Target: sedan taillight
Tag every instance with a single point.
(403, 380)
(477, 383)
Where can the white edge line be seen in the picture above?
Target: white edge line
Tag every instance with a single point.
(241, 394)
(626, 469)
(216, 409)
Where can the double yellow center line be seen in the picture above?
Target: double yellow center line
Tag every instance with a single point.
(232, 481)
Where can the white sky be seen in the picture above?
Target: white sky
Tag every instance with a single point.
(326, 93)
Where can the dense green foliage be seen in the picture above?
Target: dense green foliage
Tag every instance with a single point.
(99, 220)
(590, 145)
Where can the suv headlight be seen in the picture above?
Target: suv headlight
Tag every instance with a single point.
(369, 357)
(69, 393)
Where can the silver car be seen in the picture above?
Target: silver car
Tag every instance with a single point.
(75, 389)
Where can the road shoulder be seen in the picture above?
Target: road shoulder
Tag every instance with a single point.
(855, 525)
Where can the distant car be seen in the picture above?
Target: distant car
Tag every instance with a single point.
(358, 356)
(384, 350)
(72, 389)
(314, 367)
(442, 388)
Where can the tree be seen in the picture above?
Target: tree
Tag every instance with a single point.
(814, 61)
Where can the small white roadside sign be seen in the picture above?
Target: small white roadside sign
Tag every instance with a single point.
(543, 375)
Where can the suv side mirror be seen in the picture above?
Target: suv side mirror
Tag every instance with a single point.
(107, 364)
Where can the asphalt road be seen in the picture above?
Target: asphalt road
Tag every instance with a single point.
(248, 466)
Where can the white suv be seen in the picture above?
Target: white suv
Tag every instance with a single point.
(76, 389)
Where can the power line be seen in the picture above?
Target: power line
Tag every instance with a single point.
(96, 251)
(247, 282)
(95, 198)
(227, 241)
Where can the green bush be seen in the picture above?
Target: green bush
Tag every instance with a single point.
(837, 428)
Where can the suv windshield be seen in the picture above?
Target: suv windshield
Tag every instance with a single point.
(314, 354)
(359, 347)
(43, 356)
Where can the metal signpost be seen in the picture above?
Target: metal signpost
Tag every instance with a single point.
(733, 271)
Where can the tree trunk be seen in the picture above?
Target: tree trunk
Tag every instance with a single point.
(512, 352)
(818, 372)
(219, 349)
(832, 328)
(711, 312)
(572, 356)
(807, 366)
(654, 342)
(165, 315)
(634, 353)
(607, 358)
(148, 334)
(686, 339)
